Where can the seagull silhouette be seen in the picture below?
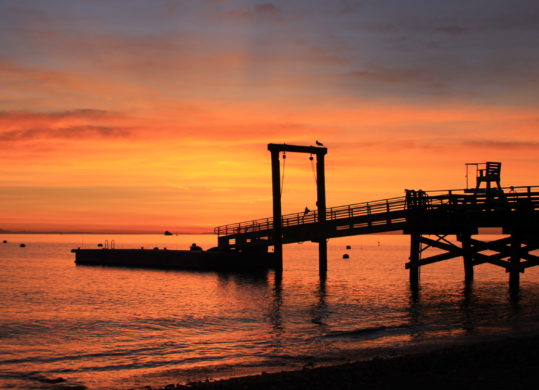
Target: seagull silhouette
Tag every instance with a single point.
(319, 143)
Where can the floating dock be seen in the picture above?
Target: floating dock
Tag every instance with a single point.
(211, 260)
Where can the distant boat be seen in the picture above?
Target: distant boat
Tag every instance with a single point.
(22, 245)
(167, 233)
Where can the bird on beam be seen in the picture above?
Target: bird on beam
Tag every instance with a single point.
(319, 143)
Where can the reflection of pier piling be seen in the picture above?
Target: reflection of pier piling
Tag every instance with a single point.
(446, 221)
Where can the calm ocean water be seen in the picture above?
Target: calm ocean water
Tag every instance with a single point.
(126, 328)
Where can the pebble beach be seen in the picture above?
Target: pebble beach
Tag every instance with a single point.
(509, 363)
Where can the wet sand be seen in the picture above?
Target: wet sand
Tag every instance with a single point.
(510, 363)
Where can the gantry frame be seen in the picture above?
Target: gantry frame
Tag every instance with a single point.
(320, 153)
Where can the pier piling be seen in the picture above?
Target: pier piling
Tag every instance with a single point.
(415, 255)
(465, 239)
(277, 213)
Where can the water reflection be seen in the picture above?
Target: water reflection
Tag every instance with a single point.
(414, 289)
(514, 294)
(415, 311)
(319, 311)
(468, 300)
(244, 279)
(275, 314)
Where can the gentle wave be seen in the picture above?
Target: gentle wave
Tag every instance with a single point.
(365, 331)
(82, 356)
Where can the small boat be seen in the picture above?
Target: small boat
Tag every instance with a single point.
(210, 260)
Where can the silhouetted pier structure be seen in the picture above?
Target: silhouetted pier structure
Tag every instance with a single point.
(445, 221)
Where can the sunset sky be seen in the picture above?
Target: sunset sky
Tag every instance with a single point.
(150, 115)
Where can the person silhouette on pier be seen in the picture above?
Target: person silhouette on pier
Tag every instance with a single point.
(307, 211)
(195, 247)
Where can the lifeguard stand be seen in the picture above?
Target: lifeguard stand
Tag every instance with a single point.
(488, 173)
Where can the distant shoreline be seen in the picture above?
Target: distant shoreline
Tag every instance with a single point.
(116, 233)
(393, 233)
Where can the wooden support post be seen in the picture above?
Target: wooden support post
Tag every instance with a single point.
(321, 205)
(514, 262)
(415, 253)
(277, 214)
(467, 254)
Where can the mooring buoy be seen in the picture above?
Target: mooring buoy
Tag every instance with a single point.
(345, 256)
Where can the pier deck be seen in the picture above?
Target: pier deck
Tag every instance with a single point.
(431, 212)
(513, 210)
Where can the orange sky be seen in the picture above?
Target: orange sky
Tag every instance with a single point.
(156, 116)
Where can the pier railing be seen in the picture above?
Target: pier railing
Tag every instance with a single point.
(377, 207)
(384, 211)
(507, 198)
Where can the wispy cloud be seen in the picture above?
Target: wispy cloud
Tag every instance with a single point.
(79, 133)
(81, 124)
(268, 11)
(83, 113)
(13, 73)
(498, 144)
(451, 30)
(448, 144)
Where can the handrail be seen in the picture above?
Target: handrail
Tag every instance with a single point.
(381, 209)
(296, 219)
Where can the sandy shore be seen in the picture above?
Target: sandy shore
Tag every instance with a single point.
(511, 363)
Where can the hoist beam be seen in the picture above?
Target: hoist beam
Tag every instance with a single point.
(297, 149)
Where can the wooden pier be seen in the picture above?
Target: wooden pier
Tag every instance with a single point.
(446, 221)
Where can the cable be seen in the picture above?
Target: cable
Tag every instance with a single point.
(313, 169)
(282, 178)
